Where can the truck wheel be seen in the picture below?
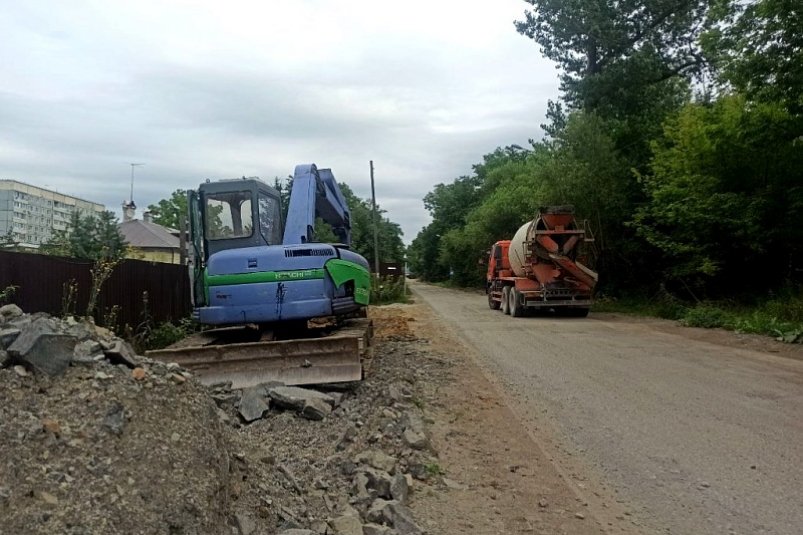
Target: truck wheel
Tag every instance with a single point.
(516, 307)
(506, 300)
(493, 304)
(579, 312)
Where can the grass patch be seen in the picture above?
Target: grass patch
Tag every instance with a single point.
(780, 317)
(434, 470)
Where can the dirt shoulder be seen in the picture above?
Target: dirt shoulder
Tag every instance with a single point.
(496, 477)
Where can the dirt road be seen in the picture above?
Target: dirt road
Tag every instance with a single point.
(681, 434)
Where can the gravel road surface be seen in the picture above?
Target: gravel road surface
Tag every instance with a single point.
(691, 436)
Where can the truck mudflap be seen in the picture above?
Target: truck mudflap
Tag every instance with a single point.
(341, 357)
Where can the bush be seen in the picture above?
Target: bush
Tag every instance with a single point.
(707, 317)
(385, 290)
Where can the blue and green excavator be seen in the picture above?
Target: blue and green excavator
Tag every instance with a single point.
(298, 301)
(246, 270)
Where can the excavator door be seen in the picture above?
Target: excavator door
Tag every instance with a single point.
(196, 254)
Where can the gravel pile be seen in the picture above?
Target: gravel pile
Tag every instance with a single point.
(109, 443)
(354, 472)
(99, 440)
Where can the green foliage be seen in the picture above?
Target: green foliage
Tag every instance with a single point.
(324, 232)
(707, 316)
(149, 335)
(598, 44)
(169, 212)
(725, 195)
(88, 237)
(7, 293)
(434, 469)
(386, 290)
(391, 246)
(780, 317)
(168, 333)
(759, 49)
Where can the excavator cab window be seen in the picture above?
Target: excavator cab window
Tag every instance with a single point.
(229, 215)
(270, 219)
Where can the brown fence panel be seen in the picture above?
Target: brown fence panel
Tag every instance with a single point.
(42, 281)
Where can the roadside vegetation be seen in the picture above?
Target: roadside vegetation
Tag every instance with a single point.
(387, 290)
(690, 174)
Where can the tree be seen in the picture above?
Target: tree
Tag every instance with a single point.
(760, 51)
(725, 197)
(89, 237)
(391, 246)
(169, 212)
(609, 51)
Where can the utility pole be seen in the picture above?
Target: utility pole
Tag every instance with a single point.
(376, 224)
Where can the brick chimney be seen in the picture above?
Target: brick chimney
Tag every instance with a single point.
(129, 211)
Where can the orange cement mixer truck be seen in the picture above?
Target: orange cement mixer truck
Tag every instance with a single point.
(542, 267)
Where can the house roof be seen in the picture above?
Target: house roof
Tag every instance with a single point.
(144, 234)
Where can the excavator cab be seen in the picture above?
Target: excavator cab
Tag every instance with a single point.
(230, 214)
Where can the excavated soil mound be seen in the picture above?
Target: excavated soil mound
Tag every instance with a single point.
(106, 449)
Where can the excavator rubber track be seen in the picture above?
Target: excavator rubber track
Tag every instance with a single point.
(341, 356)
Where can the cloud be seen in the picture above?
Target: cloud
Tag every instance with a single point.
(200, 90)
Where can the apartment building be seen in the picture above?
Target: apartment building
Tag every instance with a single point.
(32, 214)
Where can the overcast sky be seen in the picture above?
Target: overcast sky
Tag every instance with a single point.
(198, 90)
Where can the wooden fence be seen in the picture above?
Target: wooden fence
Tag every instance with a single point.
(43, 283)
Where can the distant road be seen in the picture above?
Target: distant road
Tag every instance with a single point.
(695, 436)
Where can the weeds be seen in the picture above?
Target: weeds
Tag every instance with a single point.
(101, 271)
(385, 290)
(69, 294)
(7, 293)
(149, 335)
(780, 317)
(434, 469)
(110, 317)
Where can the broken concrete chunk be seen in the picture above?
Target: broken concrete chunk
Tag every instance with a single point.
(376, 529)
(376, 459)
(401, 518)
(346, 525)
(417, 441)
(8, 312)
(115, 418)
(399, 488)
(5, 358)
(44, 352)
(87, 349)
(376, 513)
(316, 409)
(293, 397)
(7, 337)
(28, 336)
(119, 352)
(399, 392)
(245, 524)
(395, 514)
(297, 531)
(253, 403)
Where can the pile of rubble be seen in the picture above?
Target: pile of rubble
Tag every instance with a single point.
(99, 440)
(346, 462)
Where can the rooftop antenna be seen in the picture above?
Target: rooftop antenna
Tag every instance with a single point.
(131, 198)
